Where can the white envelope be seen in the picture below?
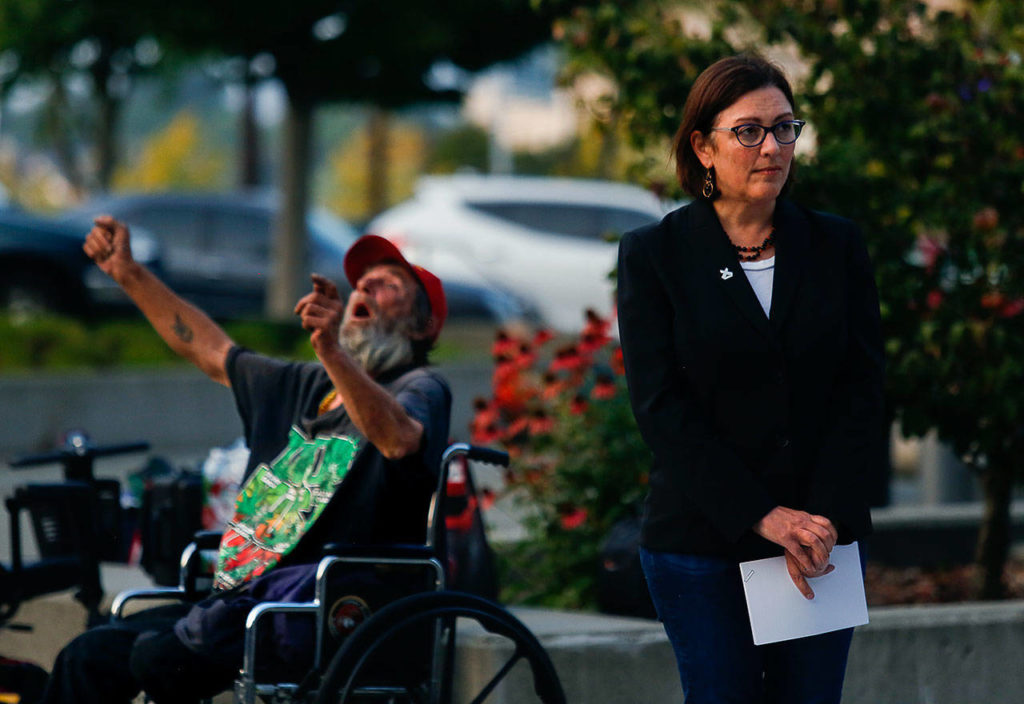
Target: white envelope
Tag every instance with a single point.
(778, 611)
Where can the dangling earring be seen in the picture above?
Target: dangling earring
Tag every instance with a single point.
(709, 185)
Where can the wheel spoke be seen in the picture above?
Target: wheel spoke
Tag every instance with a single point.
(498, 677)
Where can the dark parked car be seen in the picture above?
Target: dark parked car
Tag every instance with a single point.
(215, 250)
(43, 267)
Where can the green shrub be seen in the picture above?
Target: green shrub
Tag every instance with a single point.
(59, 343)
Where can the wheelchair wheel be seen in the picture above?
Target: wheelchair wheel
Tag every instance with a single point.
(390, 640)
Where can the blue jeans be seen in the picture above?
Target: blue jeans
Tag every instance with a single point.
(700, 602)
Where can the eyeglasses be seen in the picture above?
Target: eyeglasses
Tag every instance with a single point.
(752, 135)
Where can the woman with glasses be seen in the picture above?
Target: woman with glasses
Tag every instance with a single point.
(751, 336)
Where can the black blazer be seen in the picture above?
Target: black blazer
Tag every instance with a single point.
(743, 411)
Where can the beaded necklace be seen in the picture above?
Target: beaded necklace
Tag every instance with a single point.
(749, 254)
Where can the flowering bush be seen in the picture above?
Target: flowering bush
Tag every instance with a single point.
(578, 462)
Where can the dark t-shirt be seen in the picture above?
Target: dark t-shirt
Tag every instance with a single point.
(379, 501)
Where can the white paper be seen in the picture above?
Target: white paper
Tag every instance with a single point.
(778, 611)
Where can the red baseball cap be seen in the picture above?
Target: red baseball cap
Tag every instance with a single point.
(370, 250)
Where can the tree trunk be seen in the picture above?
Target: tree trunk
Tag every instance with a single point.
(290, 245)
(106, 147)
(249, 161)
(58, 129)
(608, 157)
(106, 123)
(377, 172)
(994, 537)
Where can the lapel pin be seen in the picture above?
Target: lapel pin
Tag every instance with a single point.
(726, 274)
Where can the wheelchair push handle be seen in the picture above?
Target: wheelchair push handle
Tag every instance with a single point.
(26, 461)
(476, 453)
(78, 452)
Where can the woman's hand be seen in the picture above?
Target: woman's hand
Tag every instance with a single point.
(808, 540)
(799, 578)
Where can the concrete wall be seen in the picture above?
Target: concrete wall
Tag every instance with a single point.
(949, 654)
(174, 410)
(177, 411)
(929, 536)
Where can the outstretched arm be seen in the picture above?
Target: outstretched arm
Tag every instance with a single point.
(376, 413)
(186, 329)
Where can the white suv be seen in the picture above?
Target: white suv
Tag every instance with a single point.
(545, 239)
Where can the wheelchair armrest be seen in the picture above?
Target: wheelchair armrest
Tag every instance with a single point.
(158, 593)
(190, 569)
(257, 616)
(207, 539)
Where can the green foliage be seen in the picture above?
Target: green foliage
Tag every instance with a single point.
(51, 343)
(653, 54)
(579, 464)
(463, 147)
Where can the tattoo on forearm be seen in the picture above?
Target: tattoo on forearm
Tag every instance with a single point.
(181, 330)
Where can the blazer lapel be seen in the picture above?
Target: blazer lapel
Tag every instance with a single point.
(717, 257)
(792, 247)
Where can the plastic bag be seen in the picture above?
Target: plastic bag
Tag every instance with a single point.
(223, 471)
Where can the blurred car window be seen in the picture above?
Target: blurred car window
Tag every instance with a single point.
(584, 221)
(180, 231)
(240, 241)
(239, 233)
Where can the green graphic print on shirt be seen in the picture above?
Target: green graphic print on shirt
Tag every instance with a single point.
(279, 503)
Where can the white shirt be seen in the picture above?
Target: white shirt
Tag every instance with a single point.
(761, 275)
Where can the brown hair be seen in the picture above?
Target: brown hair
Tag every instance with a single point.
(720, 85)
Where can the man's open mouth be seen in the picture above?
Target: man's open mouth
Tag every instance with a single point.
(362, 311)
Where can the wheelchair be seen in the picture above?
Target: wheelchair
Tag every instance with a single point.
(400, 652)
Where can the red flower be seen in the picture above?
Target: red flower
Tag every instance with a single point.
(592, 341)
(567, 358)
(503, 346)
(553, 386)
(505, 371)
(993, 299)
(578, 405)
(1013, 308)
(542, 336)
(572, 517)
(486, 499)
(596, 325)
(934, 299)
(485, 434)
(604, 388)
(541, 423)
(525, 358)
(533, 476)
(986, 219)
(509, 391)
(484, 411)
(616, 362)
(516, 428)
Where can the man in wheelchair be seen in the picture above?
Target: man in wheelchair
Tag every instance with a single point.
(346, 449)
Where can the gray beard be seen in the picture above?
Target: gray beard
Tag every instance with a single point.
(380, 347)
